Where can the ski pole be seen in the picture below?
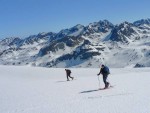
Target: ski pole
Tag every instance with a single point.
(99, 81)
(98, 77)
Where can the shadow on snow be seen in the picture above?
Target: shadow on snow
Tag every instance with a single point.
(89, 91)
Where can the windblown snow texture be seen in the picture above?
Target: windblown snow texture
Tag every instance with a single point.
(43, 90)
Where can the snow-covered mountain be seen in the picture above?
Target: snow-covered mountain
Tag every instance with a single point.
(126, 44)
(142, 22)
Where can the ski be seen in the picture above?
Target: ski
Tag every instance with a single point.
(106, 88)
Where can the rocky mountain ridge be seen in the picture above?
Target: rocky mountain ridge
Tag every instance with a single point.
(123, 45)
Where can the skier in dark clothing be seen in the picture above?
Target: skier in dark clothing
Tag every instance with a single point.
(68, 72)
(105, 72)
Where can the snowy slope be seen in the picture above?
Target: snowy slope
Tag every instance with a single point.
(43, 90)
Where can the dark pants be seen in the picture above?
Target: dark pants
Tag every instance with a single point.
(105, 80)
(68, 76)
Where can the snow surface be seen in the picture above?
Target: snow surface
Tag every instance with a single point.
(44, 90)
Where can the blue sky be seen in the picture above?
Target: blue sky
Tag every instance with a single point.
(27, 17)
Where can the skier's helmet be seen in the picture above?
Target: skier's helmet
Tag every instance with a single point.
(102, 65)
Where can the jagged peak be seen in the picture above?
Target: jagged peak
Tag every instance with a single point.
(78, 26)
(44, 33)
(142, 21)
(125, 23)
(105, 22)
(9, 39)
(101, 22)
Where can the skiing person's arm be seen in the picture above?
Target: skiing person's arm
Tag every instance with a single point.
(99, 72)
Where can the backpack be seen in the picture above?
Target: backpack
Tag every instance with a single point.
(106, 70)
(69, 71)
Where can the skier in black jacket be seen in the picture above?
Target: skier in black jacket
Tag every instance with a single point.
(68, 72)
(105, 72)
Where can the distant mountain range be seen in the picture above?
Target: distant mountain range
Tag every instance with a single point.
(123, 45)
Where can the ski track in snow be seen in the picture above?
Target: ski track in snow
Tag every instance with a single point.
(43, 90)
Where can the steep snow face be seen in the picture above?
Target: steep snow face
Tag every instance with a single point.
(100, 42)
(37, 39)
(23, 51)
(144, 25)
(86, 52)
(101, 26)
(73, 32)
(125, 33)
(76, 30)
(142, 22)
(79, 30)
(73, 50)
(98, 27)
(8, 43)
(74, 53)
(41, 90)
